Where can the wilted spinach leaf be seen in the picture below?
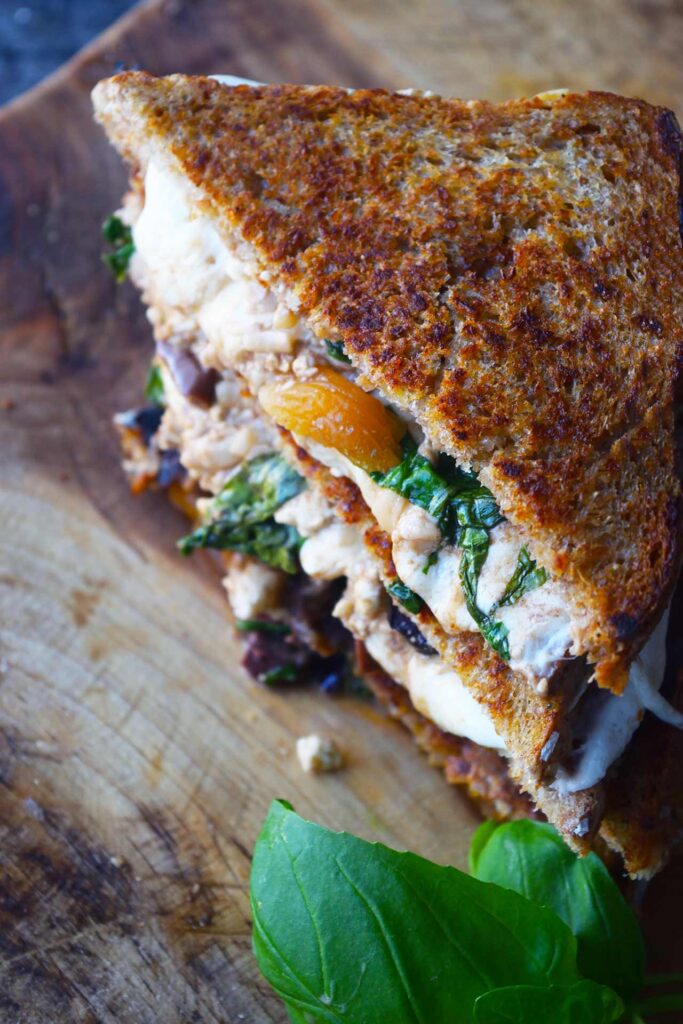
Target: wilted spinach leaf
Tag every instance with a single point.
(475, 548)
(465, 511)
(154, 386)
(241, 516)
(407, 597)
(262, 626)
(335, 349)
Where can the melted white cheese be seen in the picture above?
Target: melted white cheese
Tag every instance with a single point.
(435, 689)
(187, 267)
(610, 720)
(184, 258)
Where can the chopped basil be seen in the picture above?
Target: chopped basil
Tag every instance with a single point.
(527, 576)
(466, 512)
(475, 547)
(120, 238)
(432, 559)
(275, 544)
(407, 597)
(335, 350)
(262, 626)
(154, 386)
(281, 674)
(241, 516)
(260, 487)
(455, 498)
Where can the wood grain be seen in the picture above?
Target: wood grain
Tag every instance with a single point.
(136, 760)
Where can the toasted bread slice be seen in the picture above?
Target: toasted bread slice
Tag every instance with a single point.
(510, 274)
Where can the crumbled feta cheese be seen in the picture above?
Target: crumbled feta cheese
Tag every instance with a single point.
(318, 754)
(251, 586)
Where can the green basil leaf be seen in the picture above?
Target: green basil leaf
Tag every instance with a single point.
(351, 932)
(335, 349)
(115, 231)
(527, 576)
(240, 518)
(475, 547)
(431, 560)
(416, 479)
(275, 544)
(533, 860)
(259, 488)
(282, 674)
(118, 261)
(154, 386)
(407, 597)
(584, 1002)
(119, 236)
(477, 844)
(465, 511)
(296, 1017)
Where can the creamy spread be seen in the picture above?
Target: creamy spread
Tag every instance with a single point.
(435, 689)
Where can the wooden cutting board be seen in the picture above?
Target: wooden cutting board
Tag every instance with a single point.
(136, 760)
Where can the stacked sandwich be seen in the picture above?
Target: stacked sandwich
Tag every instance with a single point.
(416, 359)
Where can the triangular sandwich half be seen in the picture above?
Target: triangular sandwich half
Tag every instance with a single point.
(460, 323)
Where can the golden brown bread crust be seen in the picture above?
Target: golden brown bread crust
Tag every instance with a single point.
(509, 272)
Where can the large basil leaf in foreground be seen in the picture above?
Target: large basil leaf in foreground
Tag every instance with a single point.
(533, 860)
(352, 932)
(581, 1003)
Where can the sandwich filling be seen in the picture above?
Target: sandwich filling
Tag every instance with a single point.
(196, 284)
(452, 549)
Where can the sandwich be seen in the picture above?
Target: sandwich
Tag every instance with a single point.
(416, 379)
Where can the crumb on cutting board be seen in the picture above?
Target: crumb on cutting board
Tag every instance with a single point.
(318, 754)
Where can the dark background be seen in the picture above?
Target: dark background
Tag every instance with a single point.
(36, 36)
